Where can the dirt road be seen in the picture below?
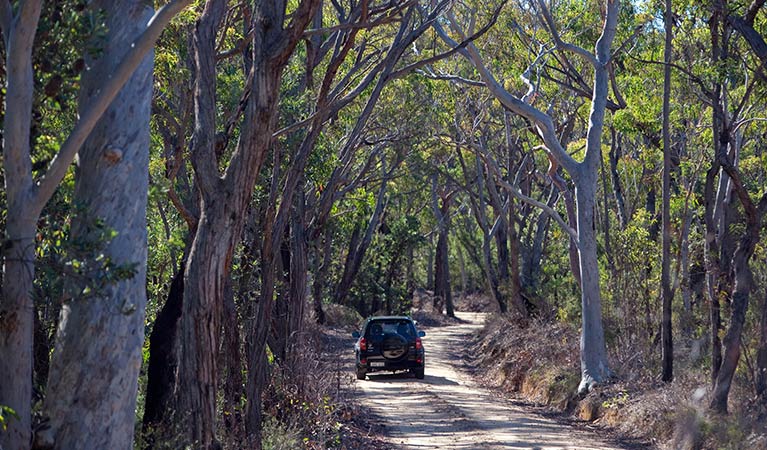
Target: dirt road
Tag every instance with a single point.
(448, 411)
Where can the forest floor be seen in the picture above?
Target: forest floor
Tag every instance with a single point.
(449, 409)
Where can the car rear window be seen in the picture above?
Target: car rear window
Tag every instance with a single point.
(383, 327)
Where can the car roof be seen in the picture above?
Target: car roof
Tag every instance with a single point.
(376, 318)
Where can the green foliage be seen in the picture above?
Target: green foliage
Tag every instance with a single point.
(77, 268)
(617, 401)
(6, 414)
(278, 436)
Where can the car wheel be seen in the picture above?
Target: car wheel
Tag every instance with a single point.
(361, 374)
(394, 347)
(419, 373)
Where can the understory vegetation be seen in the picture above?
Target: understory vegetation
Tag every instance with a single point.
(539, 364)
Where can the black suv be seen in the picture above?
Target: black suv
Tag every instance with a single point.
(389, 343)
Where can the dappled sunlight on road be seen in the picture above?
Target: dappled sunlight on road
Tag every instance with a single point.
(447, 410)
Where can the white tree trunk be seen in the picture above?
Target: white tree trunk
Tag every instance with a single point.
(594, 367)
(16, 307)
(92, 384)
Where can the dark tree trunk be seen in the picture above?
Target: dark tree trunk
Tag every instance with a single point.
(319, 277)
(743, 286)
(225, 196)
(299, 263)
(501, 243)
(232, 362)
(442, 291)
(615, 155)
(278, 338)
(712, 269)
(732, 339)
(666, 293)
(570, 207)
(761, 358)
(532, 254)
(42, 351)
(346, 276)
(515, 283)
(162, 364)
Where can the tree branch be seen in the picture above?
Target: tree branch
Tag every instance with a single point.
(60, 164)
(753, 9)
(492, 165)
(455, 78)
(543, 123)
(588, 56)
(356, 26)
(6, 18)
(454, 50)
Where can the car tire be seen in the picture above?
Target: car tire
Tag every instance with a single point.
(395, 347)
(419, 373)
(361, 374)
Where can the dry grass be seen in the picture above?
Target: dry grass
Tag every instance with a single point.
(540, 363)
(310, 400)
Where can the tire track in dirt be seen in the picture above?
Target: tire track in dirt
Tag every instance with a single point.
(449, 411)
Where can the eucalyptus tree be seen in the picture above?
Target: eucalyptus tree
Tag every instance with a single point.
(730, 124)
(27, 196)
(225, 192)
(111, 183)
(594, 364)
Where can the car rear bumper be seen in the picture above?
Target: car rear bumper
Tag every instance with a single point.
(374, 365)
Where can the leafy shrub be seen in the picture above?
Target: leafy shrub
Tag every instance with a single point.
(278, 436)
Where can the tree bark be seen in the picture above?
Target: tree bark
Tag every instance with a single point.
(319, 277)
(224, 201)
(743, 286)
(533, 252)
(712, 268)
(269, 60)
(16, 306)
(91, 399)
(620, 202)
(299, 263)
(204, 278)
(761, 359)
(163, 358)
(666, 293)
(594, 368)
(232, 361)
(442, 286)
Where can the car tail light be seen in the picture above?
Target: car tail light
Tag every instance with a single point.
(419, 360)
(363, 361)
(418, 344)
(363, 344)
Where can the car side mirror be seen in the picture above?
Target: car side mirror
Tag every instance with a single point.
(355, 334)
(421, 333)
